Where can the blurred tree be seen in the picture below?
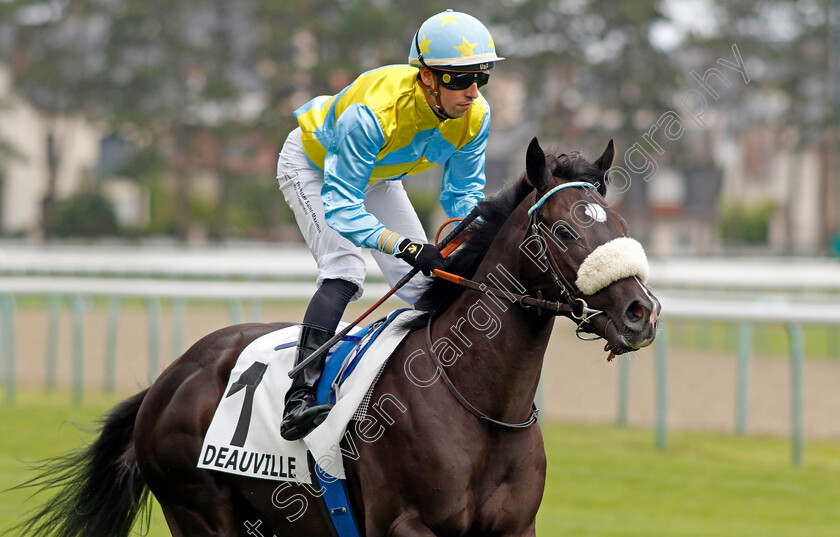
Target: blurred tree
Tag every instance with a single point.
(595, 53)
(592, 72)
(317, 47)
(154, 69)
(86, 213)
(260, 211)
(52, 68)
(791, 51)
(741, 224)
(8, 153)
(170, 67)
(211, 85)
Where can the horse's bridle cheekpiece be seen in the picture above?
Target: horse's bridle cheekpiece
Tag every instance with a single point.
(579, 309)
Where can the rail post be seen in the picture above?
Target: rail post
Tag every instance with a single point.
(178, 313)
(236, 313)
(796, 352)
(661, 387)
(78, 348)
(114, 305)
(743, 377)
(153, 315)
(7, 333)
(53, 316)
(623, 389)
(255, 309)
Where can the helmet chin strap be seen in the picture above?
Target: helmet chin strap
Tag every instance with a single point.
(434, 91)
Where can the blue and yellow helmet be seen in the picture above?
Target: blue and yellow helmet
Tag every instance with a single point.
(453, 41)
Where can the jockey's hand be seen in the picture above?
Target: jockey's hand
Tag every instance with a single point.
(425, 257)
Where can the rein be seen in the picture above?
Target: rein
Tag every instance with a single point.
(526, 301)
(482, 417)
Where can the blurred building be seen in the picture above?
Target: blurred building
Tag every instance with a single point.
(793, 183)
(32, 140)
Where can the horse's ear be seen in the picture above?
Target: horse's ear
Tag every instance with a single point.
(535, 164)
(604, 163)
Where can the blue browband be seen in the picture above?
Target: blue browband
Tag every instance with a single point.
(581, 184)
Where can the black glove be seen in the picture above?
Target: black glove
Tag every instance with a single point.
(425, 257)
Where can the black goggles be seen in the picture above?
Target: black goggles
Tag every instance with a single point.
(454, 80)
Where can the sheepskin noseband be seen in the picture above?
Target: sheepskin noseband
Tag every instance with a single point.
(619, 258)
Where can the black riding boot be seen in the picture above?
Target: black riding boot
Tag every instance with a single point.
(302, 412)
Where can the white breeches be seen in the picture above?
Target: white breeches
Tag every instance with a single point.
(337, 257)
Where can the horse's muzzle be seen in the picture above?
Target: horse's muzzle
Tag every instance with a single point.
(637, 327)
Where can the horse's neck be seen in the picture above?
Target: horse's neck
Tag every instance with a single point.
(502, 344)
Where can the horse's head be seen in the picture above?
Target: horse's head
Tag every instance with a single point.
(580, 251)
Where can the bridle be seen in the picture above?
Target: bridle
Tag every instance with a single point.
(573, 305)
(579, 309)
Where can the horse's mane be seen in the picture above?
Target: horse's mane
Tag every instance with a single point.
(493, 212)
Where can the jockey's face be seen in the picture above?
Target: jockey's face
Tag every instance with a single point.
(455, 103)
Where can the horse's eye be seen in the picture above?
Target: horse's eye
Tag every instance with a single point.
(563, 232)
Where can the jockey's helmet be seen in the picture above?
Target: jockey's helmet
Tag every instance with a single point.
(453, 41)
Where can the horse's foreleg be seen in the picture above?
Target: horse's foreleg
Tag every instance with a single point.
(407, 525)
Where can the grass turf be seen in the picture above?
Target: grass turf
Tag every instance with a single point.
(602, 481)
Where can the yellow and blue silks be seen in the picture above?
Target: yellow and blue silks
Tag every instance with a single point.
(381, 127)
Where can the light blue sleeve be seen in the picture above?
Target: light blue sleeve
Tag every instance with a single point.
(463, 175)
(348, 165)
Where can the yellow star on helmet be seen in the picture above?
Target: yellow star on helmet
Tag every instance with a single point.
(448, 18)
(491, 44)
(424, 45)
(466, 49)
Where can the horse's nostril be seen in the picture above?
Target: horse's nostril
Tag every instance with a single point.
(635, 313)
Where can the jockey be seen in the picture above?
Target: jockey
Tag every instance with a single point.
(341, 170)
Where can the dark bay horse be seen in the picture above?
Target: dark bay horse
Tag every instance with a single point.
(455, 449)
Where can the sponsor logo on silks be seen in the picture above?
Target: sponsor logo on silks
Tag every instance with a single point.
(243, 461)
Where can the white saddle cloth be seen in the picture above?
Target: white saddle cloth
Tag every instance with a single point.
(244, 436)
